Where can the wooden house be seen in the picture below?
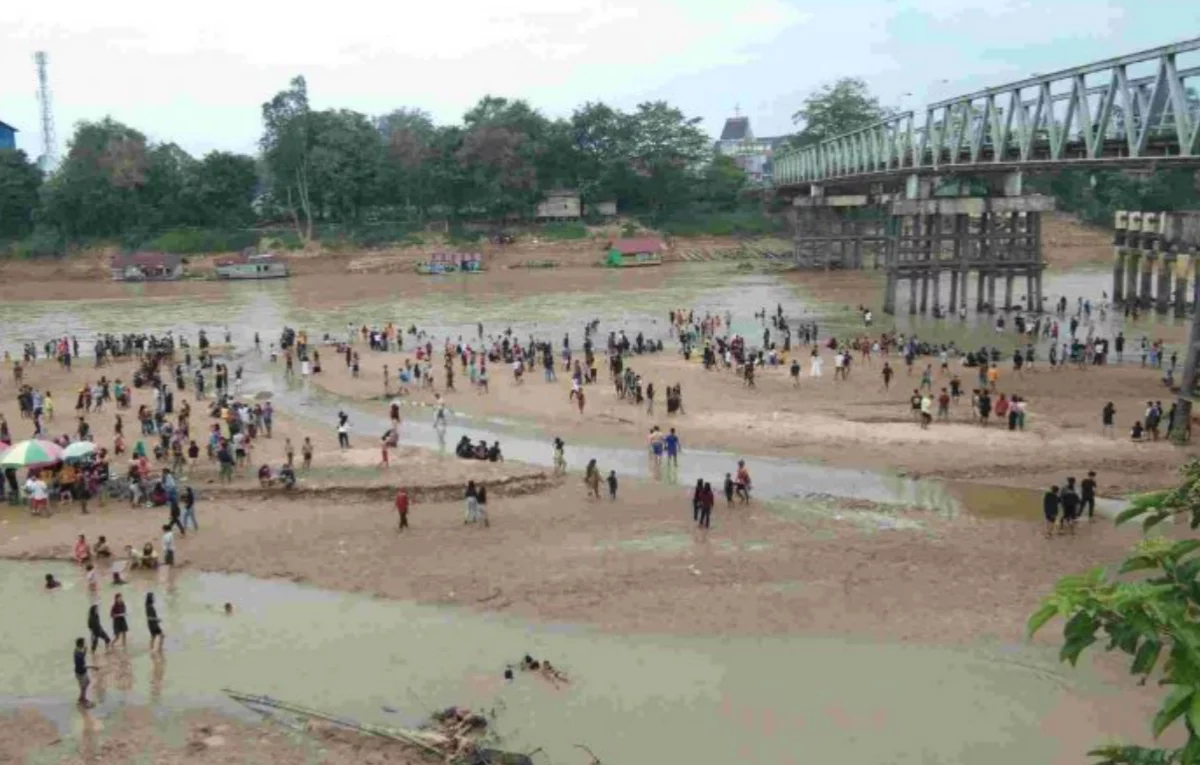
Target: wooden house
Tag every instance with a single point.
(146, 267)
(641, 251)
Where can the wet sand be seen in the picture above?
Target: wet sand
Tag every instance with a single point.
(636, 565)
(142, 734)
(855, 423)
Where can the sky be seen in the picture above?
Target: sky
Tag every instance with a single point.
(197, 74)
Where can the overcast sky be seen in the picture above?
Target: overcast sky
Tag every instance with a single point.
(197, 74)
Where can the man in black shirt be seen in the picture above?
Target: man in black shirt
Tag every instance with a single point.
(1107, 415)
(1088, 490)
(1050, 502)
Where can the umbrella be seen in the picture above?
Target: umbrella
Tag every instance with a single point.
(31, 454)
(79, 450)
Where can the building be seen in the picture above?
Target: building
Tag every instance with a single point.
(601, 209)
(751, 154)
(252, 265)
(559, 205)
(642, 251)
(146, 267)
(8, 136)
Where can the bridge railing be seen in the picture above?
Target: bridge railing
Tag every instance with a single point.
(1140, 107)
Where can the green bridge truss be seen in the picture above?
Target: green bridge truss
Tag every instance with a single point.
(1142, 109)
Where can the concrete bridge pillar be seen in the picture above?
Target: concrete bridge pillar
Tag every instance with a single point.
(937, 288)
(1008, 290)
(1132, 263)
(1029, 293)
(889, 294)
(1181, 284)
(1166, 269)
(991, 293)
(1145, 294)
(1118, 288)
(912, 295)
(954, 292)
(925, 292)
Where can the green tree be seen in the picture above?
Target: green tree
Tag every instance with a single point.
(20, 181)
(667, 150)
(1150, 611)
(602, 141)
(836, 109)
(406, 173)
(95, 191)
(220, 190)
(287, 145)
(721, 184)
(344, 162)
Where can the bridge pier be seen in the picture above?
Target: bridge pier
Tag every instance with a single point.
(837, 231)
(1181, 285)
(1165, 271)
(997, 238)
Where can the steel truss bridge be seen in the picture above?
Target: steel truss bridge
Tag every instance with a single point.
(1136, 111)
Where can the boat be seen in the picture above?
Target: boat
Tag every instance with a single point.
(252, 265)
(452, 263)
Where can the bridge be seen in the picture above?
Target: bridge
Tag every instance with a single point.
(948, 196)
(1093, 115)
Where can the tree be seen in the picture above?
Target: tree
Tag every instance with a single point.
(287, 144)
(1150, 616)
(837, 109)
(406, 171)
(96, 190)
(721, 184)
(20, 180)
(220, 190)
(667, 150)
(344, 161)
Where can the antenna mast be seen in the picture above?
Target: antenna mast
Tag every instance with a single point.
(49, 159)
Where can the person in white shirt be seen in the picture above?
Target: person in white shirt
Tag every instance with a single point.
(168, 546)
(39, 495)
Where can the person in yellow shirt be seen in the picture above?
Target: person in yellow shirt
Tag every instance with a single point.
(48, 406)
(993, 376)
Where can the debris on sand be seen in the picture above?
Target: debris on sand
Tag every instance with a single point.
(454, 735)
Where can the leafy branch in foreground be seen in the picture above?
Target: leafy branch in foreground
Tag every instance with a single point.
(1150, 611)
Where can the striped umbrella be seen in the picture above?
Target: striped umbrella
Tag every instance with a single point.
(79, 450)
(31, 454)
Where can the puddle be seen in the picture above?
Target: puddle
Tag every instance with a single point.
(706, 700)
(1016, 503)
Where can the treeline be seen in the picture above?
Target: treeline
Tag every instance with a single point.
(341, 170)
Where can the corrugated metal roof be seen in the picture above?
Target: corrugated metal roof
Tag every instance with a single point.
(153, 259)
(736, 129)
(4, 124)
(637, 245)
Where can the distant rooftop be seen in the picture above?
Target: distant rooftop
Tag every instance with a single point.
(736, 129)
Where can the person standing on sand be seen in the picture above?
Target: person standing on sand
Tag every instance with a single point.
(472, 499)
(1087, 490)
(591, 479)
(706, 506)
(1050, 506)
(612, 485)
(697, 496)
(402, 508)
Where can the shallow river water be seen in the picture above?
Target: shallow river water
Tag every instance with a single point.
(633, 700)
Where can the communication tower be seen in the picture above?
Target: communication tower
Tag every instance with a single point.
(49, 159)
